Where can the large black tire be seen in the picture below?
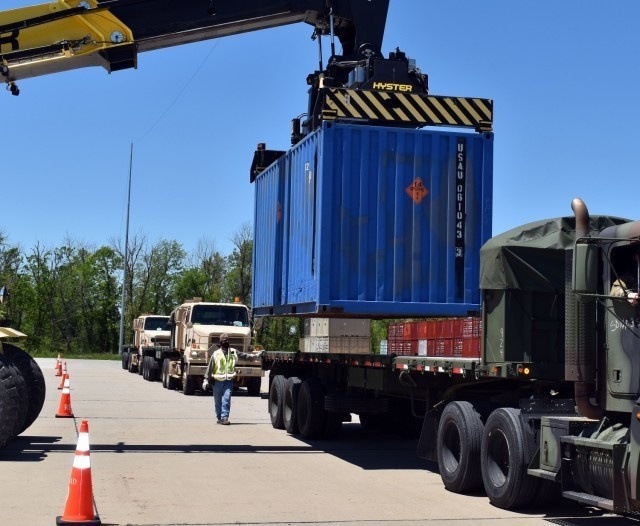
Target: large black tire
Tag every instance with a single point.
(311, 414)
(165, 373)
(153, 370)
(253, 386)
(276, 401)
(125, 359)
(172, 381)
(290, 404)
(459, 443)
(503, 462)
(133, 368)
(189, 384)
(150, 372)
(141, 366)
(34, 379)
(9, 401)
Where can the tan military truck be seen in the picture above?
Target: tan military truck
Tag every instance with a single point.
(196, 327)
(149, 331)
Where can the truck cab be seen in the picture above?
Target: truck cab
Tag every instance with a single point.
(196, 327)
(149, 331)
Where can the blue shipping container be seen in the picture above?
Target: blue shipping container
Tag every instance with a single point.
(373, 221)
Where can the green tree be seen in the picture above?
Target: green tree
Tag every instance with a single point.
(39, 318)
(279, 334)
(100, 299)
(158, 276)
(204, 275)
(240, 261)
(10, 265)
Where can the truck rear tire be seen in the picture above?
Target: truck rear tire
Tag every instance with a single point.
(125, 359)
(290, 405)
(188, 384)
(458, 445)
(276, 401)
(133, 368)
(172, 381)
(311, 415)
(150, 373)
(154, 371)
(503, 462)
(165, 373)
(34, 379)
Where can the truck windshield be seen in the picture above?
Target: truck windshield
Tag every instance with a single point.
(156, 323)
(220, 315)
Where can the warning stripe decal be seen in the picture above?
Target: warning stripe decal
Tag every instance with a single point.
(410, 108)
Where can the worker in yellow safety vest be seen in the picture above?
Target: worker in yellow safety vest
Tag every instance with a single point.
(221, 372)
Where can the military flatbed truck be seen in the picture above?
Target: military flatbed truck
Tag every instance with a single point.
(195, 329)
(149, 331)
(548, 407)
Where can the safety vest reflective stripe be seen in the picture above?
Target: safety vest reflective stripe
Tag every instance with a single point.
(225, 365)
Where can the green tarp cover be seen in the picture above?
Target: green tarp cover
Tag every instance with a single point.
(531, 257)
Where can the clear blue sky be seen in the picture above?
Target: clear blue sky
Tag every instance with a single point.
(564, 77)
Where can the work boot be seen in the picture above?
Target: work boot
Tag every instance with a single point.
(225, 422)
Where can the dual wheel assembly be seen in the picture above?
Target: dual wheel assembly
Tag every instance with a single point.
(494, 454)
(298, 406)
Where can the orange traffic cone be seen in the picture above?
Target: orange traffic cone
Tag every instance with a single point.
(64, 377)
(64, 409)
(79, 506)
(59, 366)
(64, 368)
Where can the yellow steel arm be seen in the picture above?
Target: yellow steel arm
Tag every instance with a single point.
(60, 36)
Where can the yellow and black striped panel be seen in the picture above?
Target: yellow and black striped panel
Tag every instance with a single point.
(409, 109)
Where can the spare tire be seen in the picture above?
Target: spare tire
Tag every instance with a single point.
(34, 379)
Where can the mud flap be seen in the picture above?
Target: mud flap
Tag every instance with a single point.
(427, 445)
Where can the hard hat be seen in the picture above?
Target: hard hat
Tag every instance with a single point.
(224, 337)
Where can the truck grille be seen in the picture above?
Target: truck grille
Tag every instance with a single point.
(234, 341)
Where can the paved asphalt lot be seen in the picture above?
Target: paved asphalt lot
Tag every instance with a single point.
(158, 458)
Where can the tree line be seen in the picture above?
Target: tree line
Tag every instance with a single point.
(67, 299)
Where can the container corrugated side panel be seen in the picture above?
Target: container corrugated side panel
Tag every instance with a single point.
(269, 226)
(303, 238)
(360, 242)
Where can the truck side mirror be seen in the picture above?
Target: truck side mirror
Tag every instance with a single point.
(585, 269)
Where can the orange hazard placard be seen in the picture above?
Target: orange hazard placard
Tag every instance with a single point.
(417, 191)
